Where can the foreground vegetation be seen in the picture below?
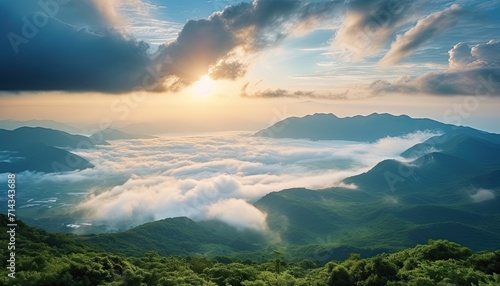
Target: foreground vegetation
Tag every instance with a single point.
(59, 259)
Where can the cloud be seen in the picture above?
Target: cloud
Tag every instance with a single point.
(482, 195)
(82, 46)
(460, 56)
(70, 46)
(368, 24)
(227, 69)
(208, 177)
(282, 93)
(472, 71)
(478, 56)
(477, 82)
(425, 29)
(246, 28)
(238, 213)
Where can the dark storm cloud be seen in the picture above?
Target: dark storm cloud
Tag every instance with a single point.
(56, 48)
(40, 51)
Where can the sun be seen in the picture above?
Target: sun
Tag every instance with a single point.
(204, 86)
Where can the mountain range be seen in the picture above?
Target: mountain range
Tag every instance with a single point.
(49, 124)
(369, 128)
(444, 188)
(109, 134)
(40, 149)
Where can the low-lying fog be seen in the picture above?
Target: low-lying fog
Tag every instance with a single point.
(215, 176)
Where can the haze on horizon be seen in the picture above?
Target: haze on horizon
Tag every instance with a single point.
(231, 65)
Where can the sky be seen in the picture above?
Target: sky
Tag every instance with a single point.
(207, 65)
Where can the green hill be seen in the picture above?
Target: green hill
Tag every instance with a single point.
(60, 259)
(460, 161)
(179, 236)
(395, 206)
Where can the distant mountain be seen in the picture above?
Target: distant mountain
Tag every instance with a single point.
(14, 124)
(443, 141)
(472, 149)
(358, 128)
(457, 161)
(39, 157)
(13, 139)
(36, 149)
(448, 192)
(109, 134)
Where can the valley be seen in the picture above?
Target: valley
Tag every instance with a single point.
(434, 187)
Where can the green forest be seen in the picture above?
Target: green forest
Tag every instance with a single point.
(44, 258)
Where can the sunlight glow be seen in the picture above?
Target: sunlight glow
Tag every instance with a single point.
(205, 86)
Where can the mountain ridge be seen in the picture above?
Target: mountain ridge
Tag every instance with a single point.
(109, 134)
(39, 149)
(327, 126)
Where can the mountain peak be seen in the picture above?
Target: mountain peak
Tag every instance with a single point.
(35, 128)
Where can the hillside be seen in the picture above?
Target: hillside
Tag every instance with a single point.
(39, 149)
(457, 162)
(448, 139)
(59, 259)
(441, 195)
(180, 236)
(39, 157)
(451, 194)
(357, 128)
(321, 221)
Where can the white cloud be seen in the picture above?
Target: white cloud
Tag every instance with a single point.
(369, 24)
(425, 29)
(480, 55)
(472, 71)
(460, 56)
(239, 213)
(482, 195)
(213, 176)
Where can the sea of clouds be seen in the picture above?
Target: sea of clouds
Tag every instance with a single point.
(214, 176)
